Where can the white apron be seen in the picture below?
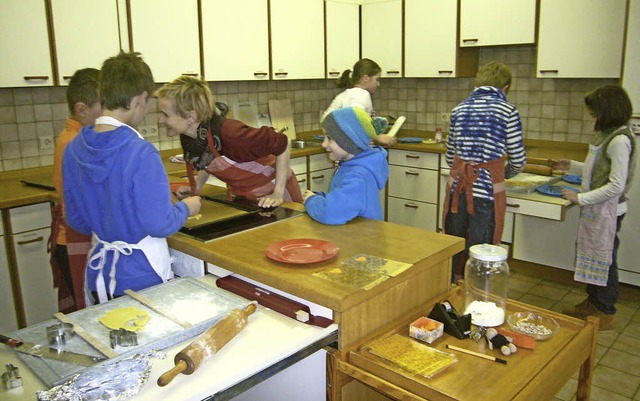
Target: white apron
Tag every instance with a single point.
(155, 249)
(596, 232)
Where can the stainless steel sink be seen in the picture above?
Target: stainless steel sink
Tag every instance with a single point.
(301, 144)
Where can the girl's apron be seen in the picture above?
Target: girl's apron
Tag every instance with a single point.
(248, 179)
(155, 249)
(596, 231)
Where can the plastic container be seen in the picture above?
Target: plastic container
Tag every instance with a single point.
(438, 135)
(486, 277)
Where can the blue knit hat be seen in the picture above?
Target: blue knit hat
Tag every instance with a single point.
(351, 128)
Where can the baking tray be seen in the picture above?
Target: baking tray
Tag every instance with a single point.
(526, 183)
(188, 298)
(213, 211)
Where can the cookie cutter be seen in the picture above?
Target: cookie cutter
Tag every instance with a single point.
(11, 378)
(59, 333)
(123, 338)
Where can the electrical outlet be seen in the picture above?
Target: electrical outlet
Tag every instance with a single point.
(148, 131)
(46, 142)
(445, 117)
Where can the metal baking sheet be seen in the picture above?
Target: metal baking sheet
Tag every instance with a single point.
(188, 298)
(211, 212)
(526, 183)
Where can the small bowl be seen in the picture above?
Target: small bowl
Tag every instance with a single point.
(537, 326)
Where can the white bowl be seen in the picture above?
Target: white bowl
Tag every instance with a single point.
(539, 327)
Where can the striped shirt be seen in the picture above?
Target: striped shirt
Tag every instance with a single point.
(485, 127)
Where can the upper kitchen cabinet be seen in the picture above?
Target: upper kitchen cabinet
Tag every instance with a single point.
(297, 39)
(581, 38)
(382, 35)
(235, 40)
(24, 44)
(431, 50)
(166, 33)
(343, 36)
(75, 49)
(630, 75)
(497, 22)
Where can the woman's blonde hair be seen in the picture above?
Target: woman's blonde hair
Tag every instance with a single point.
(190, 94)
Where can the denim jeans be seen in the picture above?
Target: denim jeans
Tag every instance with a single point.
(476, 228)
(605, 298)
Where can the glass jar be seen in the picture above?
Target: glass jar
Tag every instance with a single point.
(485, 285)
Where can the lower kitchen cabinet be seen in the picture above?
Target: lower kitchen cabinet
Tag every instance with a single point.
(320, 172)
(30, 231)
(546, 242)
(299, 167)
(8, 320)
(413, 189)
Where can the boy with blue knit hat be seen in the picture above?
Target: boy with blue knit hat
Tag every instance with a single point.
(362, 173)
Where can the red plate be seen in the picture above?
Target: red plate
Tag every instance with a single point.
(302, 250)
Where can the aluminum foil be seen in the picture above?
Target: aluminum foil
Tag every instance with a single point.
(115, 381)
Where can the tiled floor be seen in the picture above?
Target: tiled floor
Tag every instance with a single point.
(617, 370)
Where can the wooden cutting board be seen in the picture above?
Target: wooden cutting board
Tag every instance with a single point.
(211, 212)
(282, 116)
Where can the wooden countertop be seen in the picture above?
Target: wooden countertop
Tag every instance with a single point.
(243, 253)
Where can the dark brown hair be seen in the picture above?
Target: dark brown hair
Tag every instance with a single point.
(610, 106)
(362, 67)
(83, 88)
(123, 77)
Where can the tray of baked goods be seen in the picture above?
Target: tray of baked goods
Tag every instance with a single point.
(526, 183)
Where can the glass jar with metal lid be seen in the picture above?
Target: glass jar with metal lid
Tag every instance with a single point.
(485, 285)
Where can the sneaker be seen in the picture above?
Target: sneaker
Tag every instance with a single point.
(581, 310)
(586, 308)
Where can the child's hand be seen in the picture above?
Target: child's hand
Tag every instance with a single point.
(306, 195)
(386, 140)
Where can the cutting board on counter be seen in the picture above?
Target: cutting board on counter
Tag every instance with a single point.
(526, 183)
(193, 301)
(211, 212)
(282, 116)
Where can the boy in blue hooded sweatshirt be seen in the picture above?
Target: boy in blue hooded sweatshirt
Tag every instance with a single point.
(116, 189)
(362, 173)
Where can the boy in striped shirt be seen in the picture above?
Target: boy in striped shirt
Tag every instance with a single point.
(484, 146)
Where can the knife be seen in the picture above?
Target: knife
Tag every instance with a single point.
(42, 351)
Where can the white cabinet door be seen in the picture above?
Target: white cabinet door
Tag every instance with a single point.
(297, 39)
(24, 44)
(412, 213)
(39, 297)
(166, 33)
(343, 36)
(581, 38)
(630, 75)
(320, 180)
(78, 47)
(497, 22)
(382, 35)
(430, 48)
(235, 48)
(8, 319)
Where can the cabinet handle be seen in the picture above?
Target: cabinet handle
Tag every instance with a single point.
(393, 72)
(281, 74)
(548, 71)
(445, 71)
(514, 205)
(334, 73)
(259, 74)
(411, 173)
(302, 180)
(66, 77)
(31, 241)
(411, 205)
(469, 41)
(412, 156)
(190, 74)
(36, 77)
(318, 177)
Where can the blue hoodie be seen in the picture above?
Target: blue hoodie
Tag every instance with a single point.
(115, 186)
(354, 190)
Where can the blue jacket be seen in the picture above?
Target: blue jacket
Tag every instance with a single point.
(354, 190)
(115, 186)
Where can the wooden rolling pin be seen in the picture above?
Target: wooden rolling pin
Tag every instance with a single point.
(195, 354)
(537, 169)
